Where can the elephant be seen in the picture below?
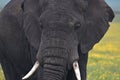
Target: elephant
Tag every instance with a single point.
(56, 35)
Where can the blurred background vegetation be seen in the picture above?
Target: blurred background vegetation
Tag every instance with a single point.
(104, 58)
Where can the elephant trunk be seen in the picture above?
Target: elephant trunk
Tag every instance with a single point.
(54, 67)
(53, 52)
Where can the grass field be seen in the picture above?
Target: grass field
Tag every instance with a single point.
(104, 59)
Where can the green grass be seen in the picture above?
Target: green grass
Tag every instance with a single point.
(1, 74)
(104, 59)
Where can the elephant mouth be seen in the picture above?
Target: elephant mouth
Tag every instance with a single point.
(37, 64)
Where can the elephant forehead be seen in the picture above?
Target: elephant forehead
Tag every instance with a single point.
(52, 17)
(56, 3)
(60, 11)
(57, 7)
(63, 4)
(59, 16)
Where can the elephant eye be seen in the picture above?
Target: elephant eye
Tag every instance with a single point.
(41, 26)
(77, 25)
(22, 6)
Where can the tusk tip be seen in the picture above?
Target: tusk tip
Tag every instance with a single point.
(23, 78)
(30, 73)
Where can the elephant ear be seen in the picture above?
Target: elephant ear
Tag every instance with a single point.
(31, 24)
(97, 17)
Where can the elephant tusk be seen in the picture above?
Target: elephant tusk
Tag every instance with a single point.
(76, 70)
(30, 73)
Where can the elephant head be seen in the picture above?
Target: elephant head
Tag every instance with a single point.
(56, 28)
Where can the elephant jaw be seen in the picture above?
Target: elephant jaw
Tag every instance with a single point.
(37, 64)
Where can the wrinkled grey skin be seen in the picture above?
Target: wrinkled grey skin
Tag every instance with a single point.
(54, 32)
(14, 47)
